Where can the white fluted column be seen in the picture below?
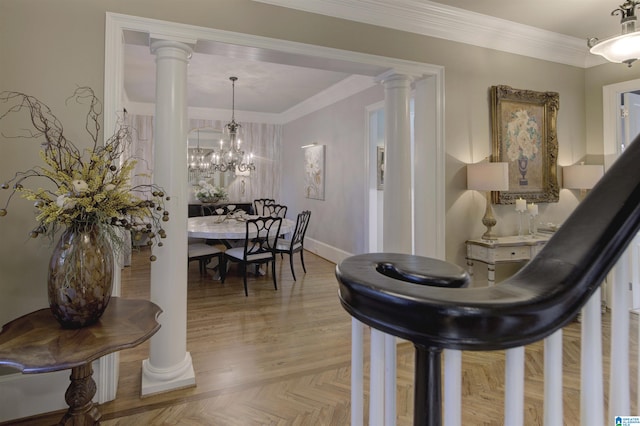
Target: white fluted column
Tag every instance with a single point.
(397, 225)
(169, 365)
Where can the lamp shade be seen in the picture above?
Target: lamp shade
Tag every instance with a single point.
(581, 176)
(487, 176)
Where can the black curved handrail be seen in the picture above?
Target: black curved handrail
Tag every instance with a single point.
(541, 298)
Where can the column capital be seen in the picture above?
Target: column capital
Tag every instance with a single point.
(180, 48)
(394, 76)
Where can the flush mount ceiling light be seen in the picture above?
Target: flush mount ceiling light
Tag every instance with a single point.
(624, 48)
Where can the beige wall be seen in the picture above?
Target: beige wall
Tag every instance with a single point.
(48, 48)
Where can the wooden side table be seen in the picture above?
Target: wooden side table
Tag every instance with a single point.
(503, 250)
(35, 343)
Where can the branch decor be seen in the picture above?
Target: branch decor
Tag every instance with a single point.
(88, 192)
(89, 187)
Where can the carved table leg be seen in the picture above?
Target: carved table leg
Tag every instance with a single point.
(79, 395)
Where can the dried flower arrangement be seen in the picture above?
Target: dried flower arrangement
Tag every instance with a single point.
(91, 186)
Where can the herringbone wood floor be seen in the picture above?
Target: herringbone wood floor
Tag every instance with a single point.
(283, 358)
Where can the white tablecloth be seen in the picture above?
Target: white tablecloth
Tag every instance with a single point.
(230, 229)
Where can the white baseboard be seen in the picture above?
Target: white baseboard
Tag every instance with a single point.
(330, 253)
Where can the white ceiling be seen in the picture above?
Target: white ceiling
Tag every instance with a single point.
(270, 83)
(261, 86)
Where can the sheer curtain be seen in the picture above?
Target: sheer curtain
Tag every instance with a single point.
(142, 149)
(263, 140)
(139, 147)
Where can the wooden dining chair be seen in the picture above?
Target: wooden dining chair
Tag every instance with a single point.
(296, 243)
(259, 248)
(259, 203)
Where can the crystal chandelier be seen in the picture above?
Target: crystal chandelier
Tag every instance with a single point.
(229, 156)
(199, 165)
(624, 48)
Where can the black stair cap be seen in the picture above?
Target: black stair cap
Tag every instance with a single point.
(421, 299)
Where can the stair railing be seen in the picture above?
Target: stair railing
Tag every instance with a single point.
(426, 301)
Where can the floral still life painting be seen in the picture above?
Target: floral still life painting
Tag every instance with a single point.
(524, 135)
(314, 172)
(523, 141)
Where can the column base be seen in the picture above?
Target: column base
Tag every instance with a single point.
(156, 380)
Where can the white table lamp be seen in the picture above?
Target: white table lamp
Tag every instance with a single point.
(581, 176)
(488, 177)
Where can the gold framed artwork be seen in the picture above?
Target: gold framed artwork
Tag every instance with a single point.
(523, 127)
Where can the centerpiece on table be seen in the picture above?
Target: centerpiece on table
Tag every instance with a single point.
(210, 194)
(88, 196)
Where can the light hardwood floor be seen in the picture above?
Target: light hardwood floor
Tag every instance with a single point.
(283, 358)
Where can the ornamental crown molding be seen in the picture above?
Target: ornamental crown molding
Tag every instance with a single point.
(450, 23)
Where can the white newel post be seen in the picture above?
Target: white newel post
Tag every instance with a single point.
(169, 365)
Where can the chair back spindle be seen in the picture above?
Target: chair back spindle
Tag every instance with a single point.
(275, 210)
(259, 203)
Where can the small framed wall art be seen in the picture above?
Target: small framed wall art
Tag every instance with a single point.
(314, 170)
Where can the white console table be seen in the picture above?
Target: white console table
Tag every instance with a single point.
(503, 250)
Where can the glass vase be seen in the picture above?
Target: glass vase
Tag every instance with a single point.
(533, 226)
(80, 276)
(521, 226)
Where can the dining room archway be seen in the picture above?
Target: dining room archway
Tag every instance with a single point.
(428, 85)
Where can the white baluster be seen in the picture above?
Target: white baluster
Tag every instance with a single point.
(619, 398)
(514, 387)
(635, 264)
(553, 412)
(591, 388)
(389, 380)
(376, 385)
(452, 387)
(357, 373)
